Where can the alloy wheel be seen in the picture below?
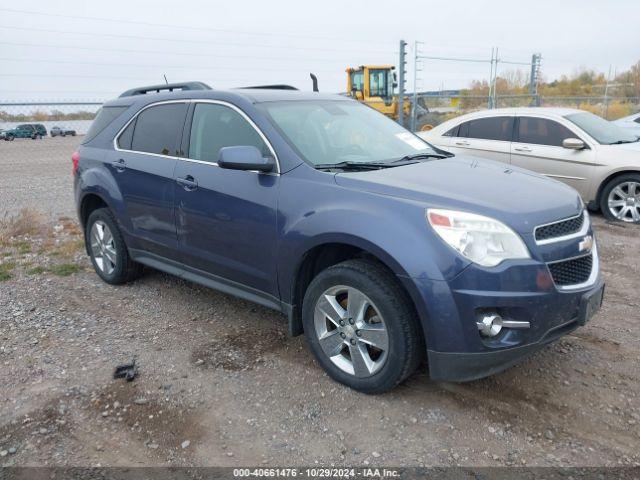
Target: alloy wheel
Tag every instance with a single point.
(103, 247)
(624, 201)
(351, 331)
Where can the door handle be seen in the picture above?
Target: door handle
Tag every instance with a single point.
(188, 183)
(120, 165)
(522, 149)
(463, 143)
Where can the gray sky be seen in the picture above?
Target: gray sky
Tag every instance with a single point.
(235, 43)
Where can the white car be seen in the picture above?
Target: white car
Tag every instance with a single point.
(598, 158)
(632, 122)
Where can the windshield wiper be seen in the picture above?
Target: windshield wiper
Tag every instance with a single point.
(418, 156)
(352, 165)
(620, 142)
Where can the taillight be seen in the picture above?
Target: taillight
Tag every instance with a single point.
(75, 158)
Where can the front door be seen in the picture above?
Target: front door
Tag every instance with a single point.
(538, 146)
(226, 219)
(143, 167)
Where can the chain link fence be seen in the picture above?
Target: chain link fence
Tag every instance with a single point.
(442, 107)
(20, 121)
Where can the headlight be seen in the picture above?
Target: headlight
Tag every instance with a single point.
(482, 240)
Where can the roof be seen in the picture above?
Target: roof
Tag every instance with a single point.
(253, 95)
(529, 110)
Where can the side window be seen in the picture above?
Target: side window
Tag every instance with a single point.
(357, 80)
(491, 128)
(215, 126)
(126, 137)
(541, 131)
(158, 128)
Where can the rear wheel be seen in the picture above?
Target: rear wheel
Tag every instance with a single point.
(620, 199)
(107, 249)
(361, 326)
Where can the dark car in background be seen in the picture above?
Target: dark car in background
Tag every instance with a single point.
(26, 130)
(61, 131)
(380, 248)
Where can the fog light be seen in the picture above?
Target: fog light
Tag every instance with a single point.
(490, 325)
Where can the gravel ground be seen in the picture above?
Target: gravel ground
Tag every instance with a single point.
(221, 384)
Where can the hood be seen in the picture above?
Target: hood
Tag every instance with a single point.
(517, 197)
(631, 149)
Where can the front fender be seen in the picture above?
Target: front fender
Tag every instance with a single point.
(392, 229)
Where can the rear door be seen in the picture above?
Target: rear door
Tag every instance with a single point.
(226, 219)
(143, 165)
(538, 146)
(488, 137)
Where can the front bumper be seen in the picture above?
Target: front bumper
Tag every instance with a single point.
(456, 350)
(462, 367)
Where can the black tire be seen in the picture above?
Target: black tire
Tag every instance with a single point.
(125, 269)
(609, 187)
(405, 339)
(73, 134)
(63, 135)
(9, 138)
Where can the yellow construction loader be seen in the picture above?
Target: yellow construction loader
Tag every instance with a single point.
(375, 85)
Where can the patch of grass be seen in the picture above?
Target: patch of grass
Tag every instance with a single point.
(69, 249)
(36, 271)
(5, 271)
(23, 247)
(64, 269)
(26, 222)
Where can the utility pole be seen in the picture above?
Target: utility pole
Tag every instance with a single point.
(606, 95)
(494, 101)
(415, 86)
(534, 79)
(490, 103)
(402, 70)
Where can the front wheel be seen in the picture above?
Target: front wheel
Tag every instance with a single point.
(361, 326)
(620, 199)
(107, 249)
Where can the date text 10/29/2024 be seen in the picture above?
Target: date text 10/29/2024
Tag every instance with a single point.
(316, 472)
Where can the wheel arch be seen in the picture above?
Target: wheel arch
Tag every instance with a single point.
(605, 182)
(331, 251)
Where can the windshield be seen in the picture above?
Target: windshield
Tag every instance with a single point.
(601, 130)
(329, 132)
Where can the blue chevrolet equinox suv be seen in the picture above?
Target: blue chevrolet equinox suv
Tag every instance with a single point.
(382, 249)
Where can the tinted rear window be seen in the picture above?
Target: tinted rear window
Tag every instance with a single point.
(158, 128)
(105, 116)
(492, 128)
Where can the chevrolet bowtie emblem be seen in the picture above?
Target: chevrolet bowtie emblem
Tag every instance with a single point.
(586, 244)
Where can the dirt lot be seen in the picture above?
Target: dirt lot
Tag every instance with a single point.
(221, 384)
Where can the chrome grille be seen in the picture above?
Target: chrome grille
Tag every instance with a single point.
(560, 228)
(573, 271)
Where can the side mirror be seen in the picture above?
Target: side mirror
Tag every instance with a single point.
(245, 158)
(573, 143)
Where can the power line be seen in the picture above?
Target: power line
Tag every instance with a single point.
(138, 65)
(164, 52)
(175, 40)
(187, 27)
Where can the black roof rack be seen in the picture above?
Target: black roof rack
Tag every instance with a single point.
(170, 87)
(274, 87)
